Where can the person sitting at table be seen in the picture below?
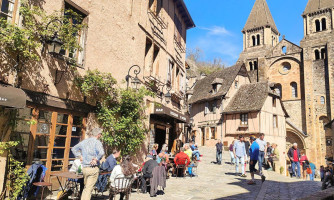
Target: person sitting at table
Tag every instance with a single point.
(90, 151)
(125, 169)
(181, 159)
(147, 170)
(164, 149)
(77, 167)
(111, 161)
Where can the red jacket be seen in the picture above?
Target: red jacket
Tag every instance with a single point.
(181, 158)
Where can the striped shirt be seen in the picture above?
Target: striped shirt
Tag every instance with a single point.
(89, 148)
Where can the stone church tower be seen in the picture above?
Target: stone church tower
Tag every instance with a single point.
(303, 75)
(318, 60)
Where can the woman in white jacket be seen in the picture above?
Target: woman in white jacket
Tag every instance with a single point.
(125, 169)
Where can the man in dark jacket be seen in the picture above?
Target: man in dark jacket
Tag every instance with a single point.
(147, 170)
(111, 161)
(219, 151)
(294, 156)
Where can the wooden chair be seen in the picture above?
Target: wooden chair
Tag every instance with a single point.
(43, 185)
(181, 167)
(122, 185)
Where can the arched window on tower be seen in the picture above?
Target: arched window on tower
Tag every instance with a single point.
(250, 66)
(255, 65)
(322, 100)
(284, 49)
(323, 53)
(317, 25)
(278, 90)
(254, 40)
(323, 24)
(258, 39)
(317, 54)
(294, 90)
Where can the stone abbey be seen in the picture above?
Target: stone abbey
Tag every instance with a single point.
(303, 74)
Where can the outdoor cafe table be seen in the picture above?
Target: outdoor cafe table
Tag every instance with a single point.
(66, 175)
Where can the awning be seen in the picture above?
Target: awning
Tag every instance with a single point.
(163, 110)
(12, 97)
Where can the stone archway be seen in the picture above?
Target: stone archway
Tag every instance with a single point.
(293, 137)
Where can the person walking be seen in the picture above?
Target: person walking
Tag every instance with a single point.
(219, 151)
(90, 151)
(263, 150)
(304, 164)
(294, 156)
(313, 168)
(240, 155)
(254, 156)
(231, 153)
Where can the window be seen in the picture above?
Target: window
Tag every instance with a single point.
(294, 90)
(155, 6)
(213, 133)
(170, 71)
(178, 28)
(286, 67)
(182, 83)
(323, 24)
(275, 120)
(322, 100)
(278, 90)
(284, 49)
(258, 41)
(317, 25)
(317, 54)
(236, 84)
(250, 66)
(244, 119)
(323, 53)
(274, 101)
(8, 9)
(255, 65)
(74, 53)
(253, 40)
(214, 88)
(156, 51)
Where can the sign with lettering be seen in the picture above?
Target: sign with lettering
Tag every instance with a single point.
(163, 110)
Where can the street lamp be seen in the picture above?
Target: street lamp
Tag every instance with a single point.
(135, 82)
(54, 44)
(168, 96)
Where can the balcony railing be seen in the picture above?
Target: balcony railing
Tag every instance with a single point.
(158, 19)
(179, 45)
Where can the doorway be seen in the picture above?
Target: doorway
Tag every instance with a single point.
(160, 136)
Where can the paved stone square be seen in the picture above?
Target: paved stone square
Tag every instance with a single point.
(219, 182)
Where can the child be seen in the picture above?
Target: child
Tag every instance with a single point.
(322, 173)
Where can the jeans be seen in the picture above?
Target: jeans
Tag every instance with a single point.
(197, 154)
(261, 159)
(294, 165)
(232, 157)
(242, 160)
(312, 176)
(219, 157)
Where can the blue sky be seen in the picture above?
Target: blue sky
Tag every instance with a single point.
(219, 24)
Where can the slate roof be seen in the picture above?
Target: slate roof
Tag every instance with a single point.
(260, 16)
(316, 5)
(250, 97)
(203, 87)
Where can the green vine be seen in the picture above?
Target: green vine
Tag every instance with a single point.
(22, 42)
(120, 112)
(16, 175)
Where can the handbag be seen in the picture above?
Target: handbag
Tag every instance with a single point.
(308, 170)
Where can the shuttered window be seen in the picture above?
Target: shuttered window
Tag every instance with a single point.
(244, 119)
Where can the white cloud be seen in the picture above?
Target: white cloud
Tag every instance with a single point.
(217, 41)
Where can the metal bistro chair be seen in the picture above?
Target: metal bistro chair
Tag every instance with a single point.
(181, 167)
(122, 185)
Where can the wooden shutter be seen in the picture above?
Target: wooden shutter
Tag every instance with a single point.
(207, 133)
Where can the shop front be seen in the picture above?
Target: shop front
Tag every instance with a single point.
(48, 128)
(167, 126)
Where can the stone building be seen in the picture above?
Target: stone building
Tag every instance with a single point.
(303, 74)
(120, 34)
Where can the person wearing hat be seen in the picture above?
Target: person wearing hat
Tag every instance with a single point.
(254, 151)
(90, 151)
(147, 170)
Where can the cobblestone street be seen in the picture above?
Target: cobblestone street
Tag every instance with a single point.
(219, 182)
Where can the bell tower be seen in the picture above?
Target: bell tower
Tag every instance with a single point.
(260, 34)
